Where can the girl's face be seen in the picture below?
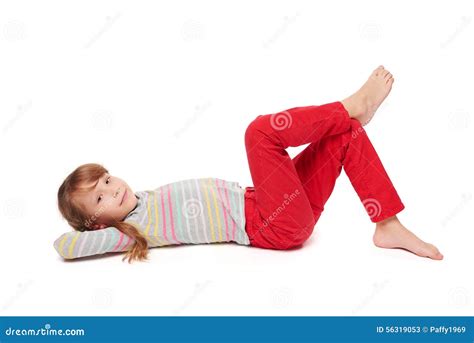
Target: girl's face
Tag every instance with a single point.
(111, 199)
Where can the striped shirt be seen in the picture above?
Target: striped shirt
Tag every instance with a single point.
(192, 211)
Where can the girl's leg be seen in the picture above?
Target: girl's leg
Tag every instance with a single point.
(278, 211)
(318, 167)
(320, 163)
(288, 196)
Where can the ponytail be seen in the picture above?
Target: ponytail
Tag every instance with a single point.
(139, 250)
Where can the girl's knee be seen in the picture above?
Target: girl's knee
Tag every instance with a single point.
(255, 131)
(251, 132)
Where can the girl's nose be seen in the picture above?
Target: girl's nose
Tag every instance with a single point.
(116, 193)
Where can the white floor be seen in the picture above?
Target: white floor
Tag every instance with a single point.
(337, 272)
(157, 95)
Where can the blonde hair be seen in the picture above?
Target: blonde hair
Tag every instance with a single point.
(79, 220)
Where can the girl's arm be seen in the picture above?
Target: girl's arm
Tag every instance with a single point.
(76, 244)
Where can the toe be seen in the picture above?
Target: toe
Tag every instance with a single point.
(378, 70)
(434, 252)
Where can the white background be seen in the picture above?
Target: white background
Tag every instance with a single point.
(162, 91)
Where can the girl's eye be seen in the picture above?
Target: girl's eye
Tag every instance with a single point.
(106, 182)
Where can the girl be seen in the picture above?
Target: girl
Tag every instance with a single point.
(278, 212)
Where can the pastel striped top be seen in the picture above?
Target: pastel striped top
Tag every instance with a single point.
(192, 211)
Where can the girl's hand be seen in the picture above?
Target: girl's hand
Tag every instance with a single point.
(98, 227)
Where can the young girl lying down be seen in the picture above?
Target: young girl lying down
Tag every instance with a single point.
(279, 211)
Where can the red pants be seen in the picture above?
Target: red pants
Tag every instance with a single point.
(288, 195)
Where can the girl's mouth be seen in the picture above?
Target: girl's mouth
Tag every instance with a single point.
(124, 197)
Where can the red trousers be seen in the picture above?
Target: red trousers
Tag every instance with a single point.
(288, 195)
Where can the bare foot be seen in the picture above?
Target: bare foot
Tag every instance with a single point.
(390, 233)
(363, 103)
